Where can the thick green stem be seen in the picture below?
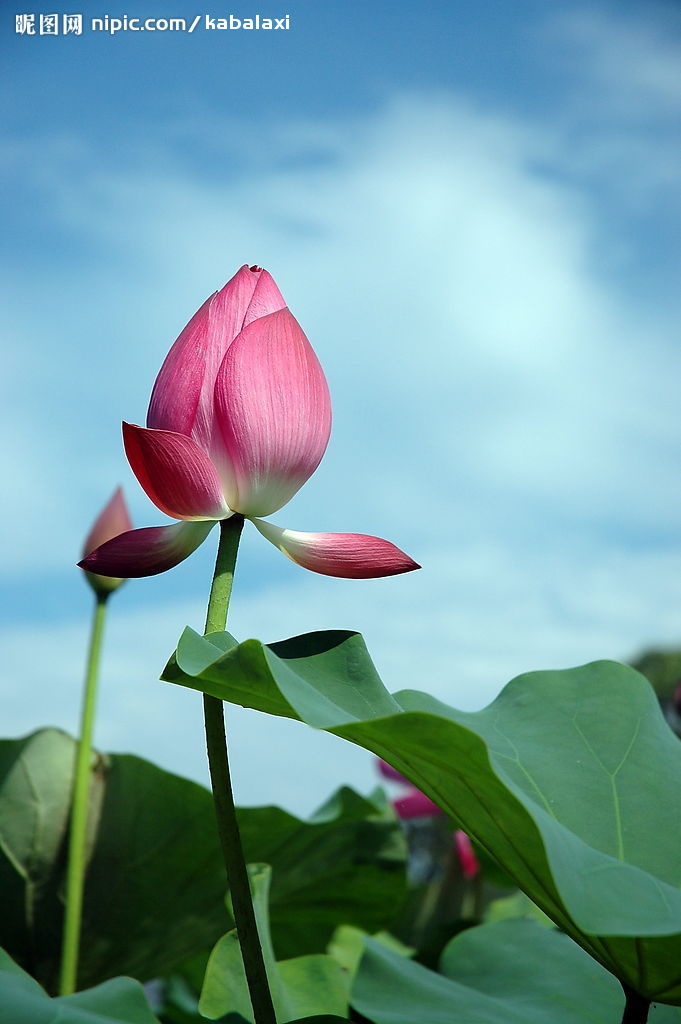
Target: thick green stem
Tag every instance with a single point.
(228, 829)
(636, 1008)
(75, 877)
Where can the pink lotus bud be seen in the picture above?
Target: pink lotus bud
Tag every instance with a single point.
(415, 804)
(239, 419)
(111, 521)
(388, 772)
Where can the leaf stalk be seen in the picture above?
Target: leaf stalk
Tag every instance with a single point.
(636, 1008)
(77, 856)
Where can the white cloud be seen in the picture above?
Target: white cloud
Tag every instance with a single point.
(634, 57)
(449, 287)
(621, 119)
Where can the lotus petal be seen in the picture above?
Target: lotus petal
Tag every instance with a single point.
(177, 475)
(348, 555)
(146, 552)
(273, 407)
(182, 398)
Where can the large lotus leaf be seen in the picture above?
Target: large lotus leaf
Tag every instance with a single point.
(302, 986)
(36, 775)
(512, 972)
(345, 864)
(353, 852)
(569, 779)
(23, 1001)
(155, 879)
(155, 883)
(347, 946)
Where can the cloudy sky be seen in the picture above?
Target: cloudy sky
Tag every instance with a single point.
(473, 211)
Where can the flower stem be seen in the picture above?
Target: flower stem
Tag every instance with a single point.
(228, 829)
(75, 876)
(636, 1008)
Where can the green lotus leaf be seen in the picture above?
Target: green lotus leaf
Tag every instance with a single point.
(511, 972)
(301, 987)
(155, 881)
(569, 779)
(24, 1001)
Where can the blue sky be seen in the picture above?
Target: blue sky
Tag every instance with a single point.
(473, 211)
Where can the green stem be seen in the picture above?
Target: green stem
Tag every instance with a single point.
(225, 812)
(75, 877)
(636, 1008)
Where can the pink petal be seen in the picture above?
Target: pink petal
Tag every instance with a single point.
(273, 407)
(182, 399)
(388, 772)
(146, 552)
(266, 296)
(467, 859)
(415, 805)
(112, 520)
(350, 555)
(177, 475)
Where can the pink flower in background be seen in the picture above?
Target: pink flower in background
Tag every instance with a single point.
(111, 521)
(239, 419)
(415, 804)
(467, 859)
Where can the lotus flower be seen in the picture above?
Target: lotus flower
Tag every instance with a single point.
(111, 521)
(239, 419)
(415, 804)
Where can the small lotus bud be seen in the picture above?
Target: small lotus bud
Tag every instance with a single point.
(113, 520)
